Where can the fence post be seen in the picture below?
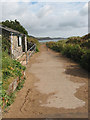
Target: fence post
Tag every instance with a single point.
(30, 53)
(35, 48)
(26, 58)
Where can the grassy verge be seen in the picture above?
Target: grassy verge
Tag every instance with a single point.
(11, 69)
(76, 48)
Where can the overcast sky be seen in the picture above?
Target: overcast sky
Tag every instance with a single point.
(53, 19)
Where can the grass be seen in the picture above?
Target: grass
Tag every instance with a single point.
(10, 70)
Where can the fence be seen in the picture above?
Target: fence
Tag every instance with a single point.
(26, 56)
(30, 52)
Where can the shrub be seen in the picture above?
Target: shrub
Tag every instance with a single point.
(86, 44)
(20, 85)
(85, 60)
(74, 40)
(8, 99)
(57, 46)
(73, 51)
(37, 50)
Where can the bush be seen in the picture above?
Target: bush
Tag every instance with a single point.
(37, 50)
(86, 44)
(74, 40)
(20, 85)
(8, 99)
(85, 60)
(57, 46)
(73, 51)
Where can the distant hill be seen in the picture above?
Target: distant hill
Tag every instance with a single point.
(48, 38)
(59, 38)
(44, 38)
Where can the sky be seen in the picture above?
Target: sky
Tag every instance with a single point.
(48, 19)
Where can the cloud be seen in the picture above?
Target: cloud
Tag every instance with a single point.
(84, 10)
(45, 1)
(49, 19)
(45, 11)
(15, 1)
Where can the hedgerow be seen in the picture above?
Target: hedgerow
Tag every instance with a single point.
(73, 50)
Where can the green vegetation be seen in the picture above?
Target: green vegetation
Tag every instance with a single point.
(76, 48)
(6, 44)
(15, 25)
(34, 40)
(11, 69)
(21, 83)
(0, 65)
(7, 100)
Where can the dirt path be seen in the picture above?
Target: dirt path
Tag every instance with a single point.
(55, 87)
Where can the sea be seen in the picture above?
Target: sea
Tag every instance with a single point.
(54, 40)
